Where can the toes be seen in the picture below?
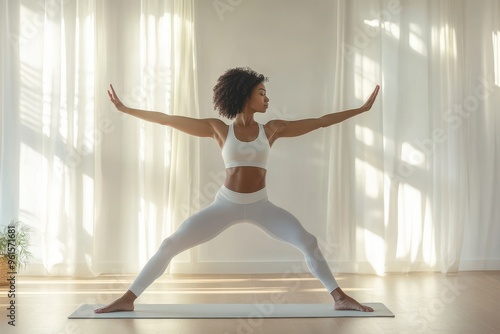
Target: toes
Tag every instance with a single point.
(351, 304)
(105, 309)
(367, 308)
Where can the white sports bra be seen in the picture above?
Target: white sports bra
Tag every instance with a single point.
(236, 153)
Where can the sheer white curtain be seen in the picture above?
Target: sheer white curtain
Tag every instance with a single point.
(95, 185)
(411, 178)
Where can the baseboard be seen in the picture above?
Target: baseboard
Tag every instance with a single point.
(479, 265)
(238, 267)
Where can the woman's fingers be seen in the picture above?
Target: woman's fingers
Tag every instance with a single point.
(114, 98)
(113, 90)
(112, 95)
(374, 94)
(372, 98)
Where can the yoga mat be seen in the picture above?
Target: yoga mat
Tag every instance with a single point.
(221, 311)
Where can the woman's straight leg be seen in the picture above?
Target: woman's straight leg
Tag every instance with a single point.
(197, 229)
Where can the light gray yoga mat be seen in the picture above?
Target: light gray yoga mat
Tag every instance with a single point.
(205, 311)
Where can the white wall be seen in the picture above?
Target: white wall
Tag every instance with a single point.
(292, 47)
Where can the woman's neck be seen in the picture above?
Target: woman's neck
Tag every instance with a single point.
(244, 119)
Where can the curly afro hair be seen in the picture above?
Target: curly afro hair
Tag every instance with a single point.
(234, 88)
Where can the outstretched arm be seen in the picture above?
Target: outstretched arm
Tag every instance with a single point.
(209, 127)
(280, 128)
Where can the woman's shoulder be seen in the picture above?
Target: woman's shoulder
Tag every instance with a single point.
(274, 125)
(216, 123)
(220, 128)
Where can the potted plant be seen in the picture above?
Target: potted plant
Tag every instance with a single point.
(14, 248)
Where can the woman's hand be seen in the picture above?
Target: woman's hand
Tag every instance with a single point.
(115, 100)
(369, 103)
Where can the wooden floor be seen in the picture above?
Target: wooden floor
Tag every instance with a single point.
(468, 302)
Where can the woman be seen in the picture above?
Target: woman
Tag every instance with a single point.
(239, 94)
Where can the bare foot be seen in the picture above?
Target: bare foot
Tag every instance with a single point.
(349, 303)
(344, 302)
(124, 303)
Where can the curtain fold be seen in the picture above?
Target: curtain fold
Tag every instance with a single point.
(447, 144)
(185, 174)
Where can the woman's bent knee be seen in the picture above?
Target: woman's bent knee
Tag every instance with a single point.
(308, 243)
(311, 241)
(167, 245)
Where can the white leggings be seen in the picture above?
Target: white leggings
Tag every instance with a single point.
(229, 208)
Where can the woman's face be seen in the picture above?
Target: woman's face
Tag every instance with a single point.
(258, 101)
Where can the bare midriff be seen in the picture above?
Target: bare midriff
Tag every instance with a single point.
(245, 179)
